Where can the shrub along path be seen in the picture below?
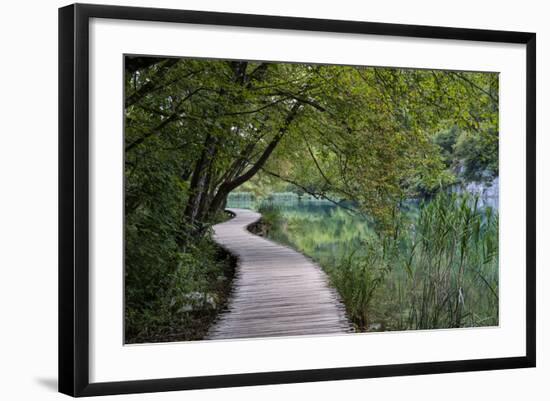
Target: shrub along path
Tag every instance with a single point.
(277, 291)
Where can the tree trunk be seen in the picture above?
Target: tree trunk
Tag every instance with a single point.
(199, 181)
(206, 194)
(224, 202)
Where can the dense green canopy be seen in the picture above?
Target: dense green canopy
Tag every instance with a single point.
(341, 132)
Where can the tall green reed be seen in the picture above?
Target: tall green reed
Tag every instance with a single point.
(440, 271)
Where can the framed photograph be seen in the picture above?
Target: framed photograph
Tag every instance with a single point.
(250, 199)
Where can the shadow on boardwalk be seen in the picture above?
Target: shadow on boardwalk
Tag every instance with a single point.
(277, 291)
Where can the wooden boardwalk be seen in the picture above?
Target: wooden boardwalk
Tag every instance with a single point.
(276, 290)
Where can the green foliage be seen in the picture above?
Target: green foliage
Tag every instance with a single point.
(451, 261)
(177, 299)
(446, 140)
(359, 279)
(172, 278)
(479, 154)
(473, 156)
(270, 214)
(362, 134)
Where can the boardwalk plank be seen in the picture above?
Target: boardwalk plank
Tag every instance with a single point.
(276, 290)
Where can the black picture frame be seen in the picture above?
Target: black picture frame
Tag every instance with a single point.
(74, 198)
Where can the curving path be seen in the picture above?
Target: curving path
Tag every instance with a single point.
(276, 290)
